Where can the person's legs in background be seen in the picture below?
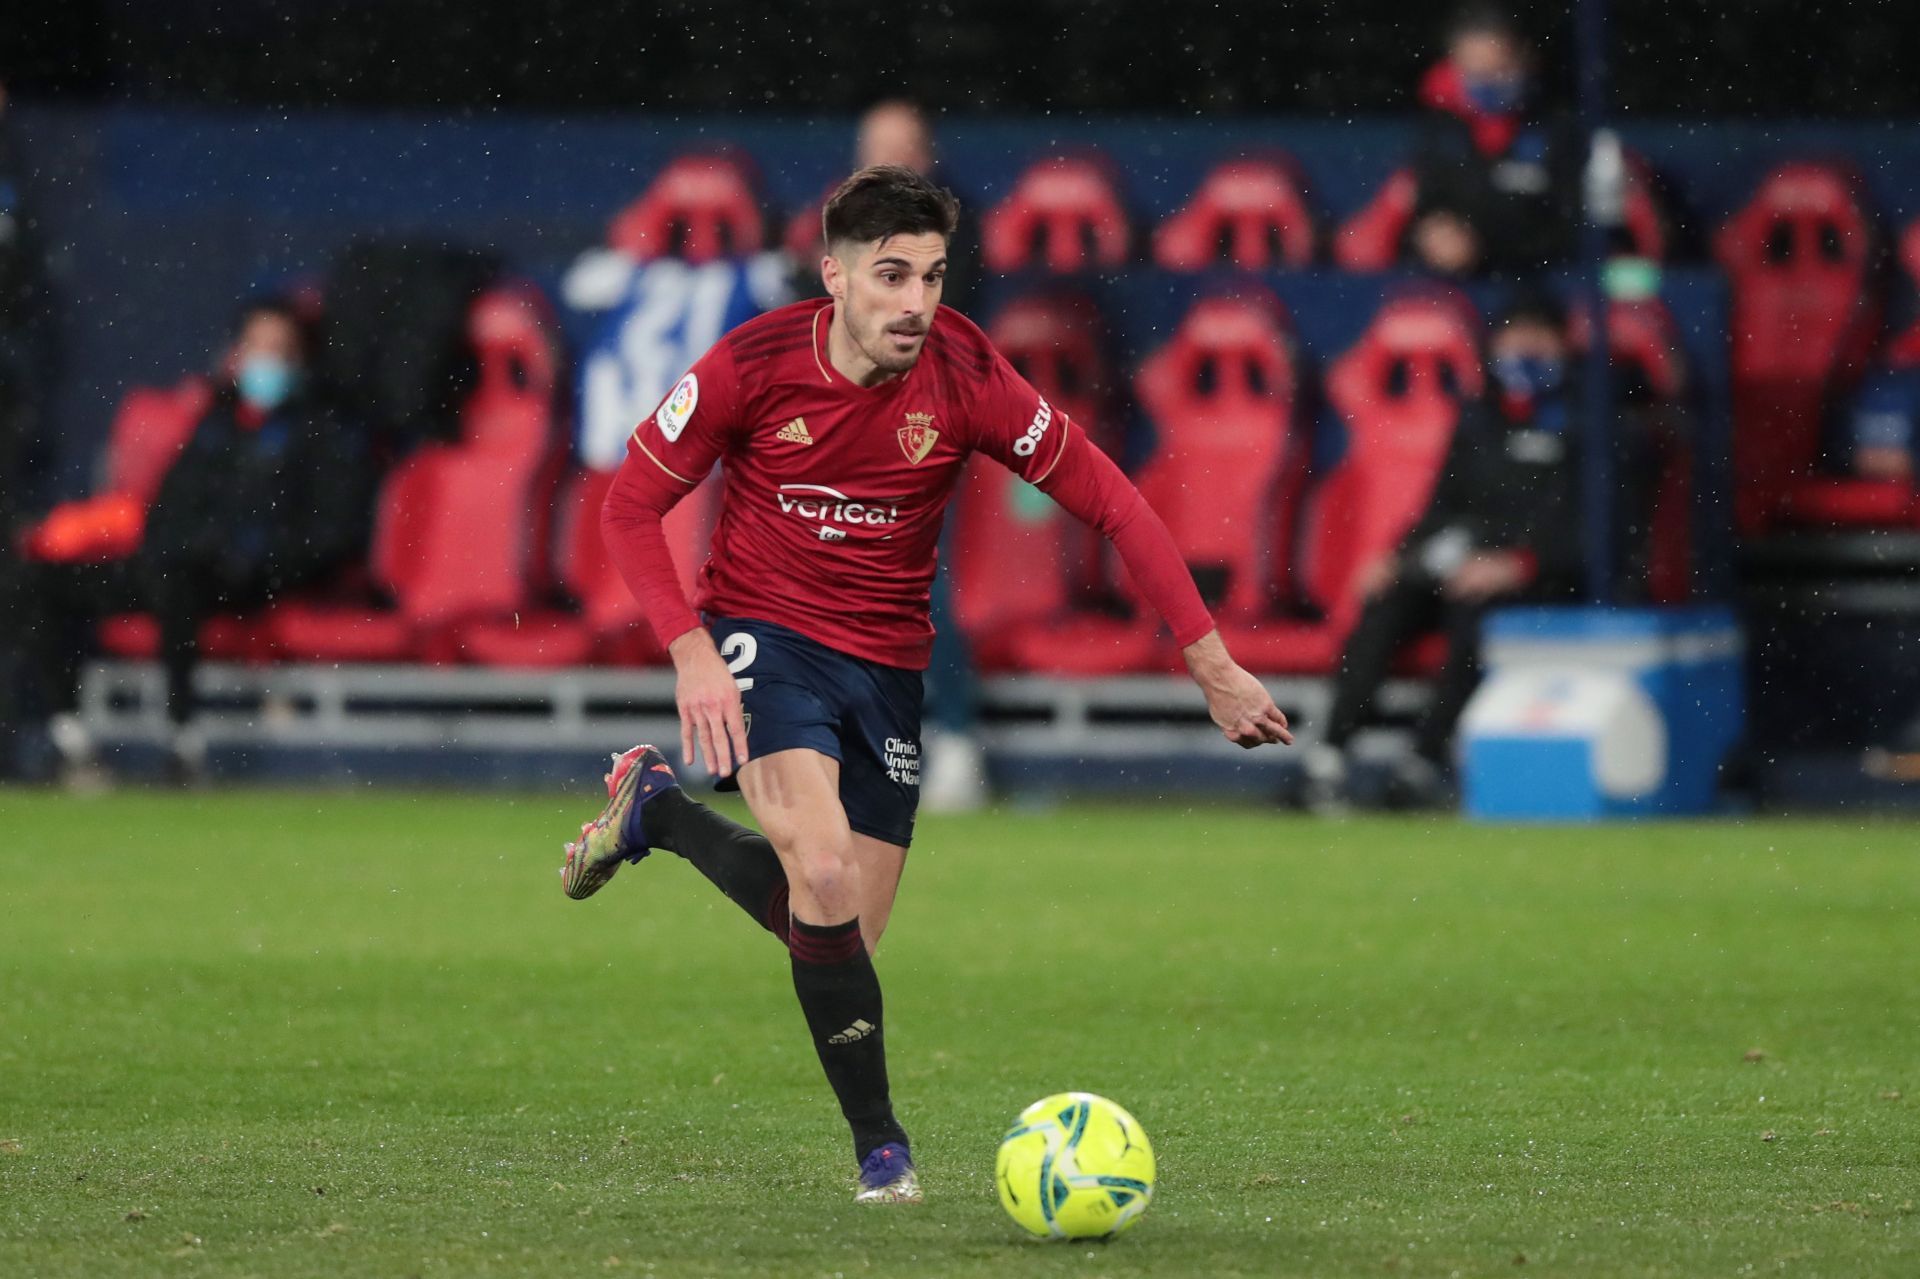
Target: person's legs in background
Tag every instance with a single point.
(55, 607)
(1394, 615)
(182, 595)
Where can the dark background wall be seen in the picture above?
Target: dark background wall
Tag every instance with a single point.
(1740, 58)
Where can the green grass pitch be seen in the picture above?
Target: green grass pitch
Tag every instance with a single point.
(337, 1034)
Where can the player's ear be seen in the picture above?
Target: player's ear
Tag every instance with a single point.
(833, 277)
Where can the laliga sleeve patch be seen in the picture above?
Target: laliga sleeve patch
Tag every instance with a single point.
(673, 415)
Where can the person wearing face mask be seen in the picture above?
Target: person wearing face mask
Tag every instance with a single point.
(1496, 177)
(271, 491)
(1501, 525)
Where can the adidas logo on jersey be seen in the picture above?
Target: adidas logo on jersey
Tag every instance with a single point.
(795, 432)
(854, 1033)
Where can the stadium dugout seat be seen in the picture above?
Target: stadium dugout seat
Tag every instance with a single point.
(700, 207)
(1856, 502)
(1063, 215)
(1649, 230)
(1398, 392)
(607, 625)
(456, 536)
(1799, 255)
(1221, 393)
(151, 427)
(1369, 240)
(510, 412)
(1018, 562)
(1249, 213)
(1859, 502)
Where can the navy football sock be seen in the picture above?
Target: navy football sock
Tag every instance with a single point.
(737, 860)
(840, 995)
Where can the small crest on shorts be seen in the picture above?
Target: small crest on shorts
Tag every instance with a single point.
(918, 437)
(746, 721)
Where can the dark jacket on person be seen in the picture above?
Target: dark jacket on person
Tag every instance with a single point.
(1509, 482)
(1513, 178)
(283, 501)
(27, 348)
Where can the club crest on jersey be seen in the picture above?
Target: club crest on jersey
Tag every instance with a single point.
(918, 437)
(673, 415)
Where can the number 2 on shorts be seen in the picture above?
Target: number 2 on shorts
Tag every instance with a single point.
(740, 649)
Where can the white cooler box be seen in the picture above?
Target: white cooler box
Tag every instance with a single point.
(1591, 713)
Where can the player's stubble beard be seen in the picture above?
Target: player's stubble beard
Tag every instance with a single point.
(876, 343)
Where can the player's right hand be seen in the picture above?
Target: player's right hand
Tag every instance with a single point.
(709, 703)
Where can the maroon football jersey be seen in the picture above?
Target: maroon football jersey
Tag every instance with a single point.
(834, 493)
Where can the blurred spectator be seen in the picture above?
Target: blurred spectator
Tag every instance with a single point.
(1501, 526)
(1496, 179)
(897, 131)
(272, 491)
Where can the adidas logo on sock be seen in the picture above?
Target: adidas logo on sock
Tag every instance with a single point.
(854, 1033)
(795, 432)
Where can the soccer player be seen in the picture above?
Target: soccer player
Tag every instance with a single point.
(841, 425)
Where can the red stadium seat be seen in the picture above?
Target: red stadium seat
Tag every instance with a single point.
(1250, 213)
(1849, 502)
(1640, 335)
(510, 411)
(1015, 557)
(1063, 215)
(1221, 394)
(1370, 239)
(152, 426)
(1799, 256)
(700, 208)
(608, 625)
(1398, 390)
(1649, 230)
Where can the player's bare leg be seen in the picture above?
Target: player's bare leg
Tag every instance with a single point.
(880, 865)
(795, 797)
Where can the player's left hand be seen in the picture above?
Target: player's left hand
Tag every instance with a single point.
(1237, 701)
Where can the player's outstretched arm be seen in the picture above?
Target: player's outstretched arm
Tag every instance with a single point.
(1092, 488)
(1238, 702)
(709, 702)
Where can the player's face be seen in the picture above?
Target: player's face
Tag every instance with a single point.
(887, 294)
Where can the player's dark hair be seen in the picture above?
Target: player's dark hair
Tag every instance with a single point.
(887, 199)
